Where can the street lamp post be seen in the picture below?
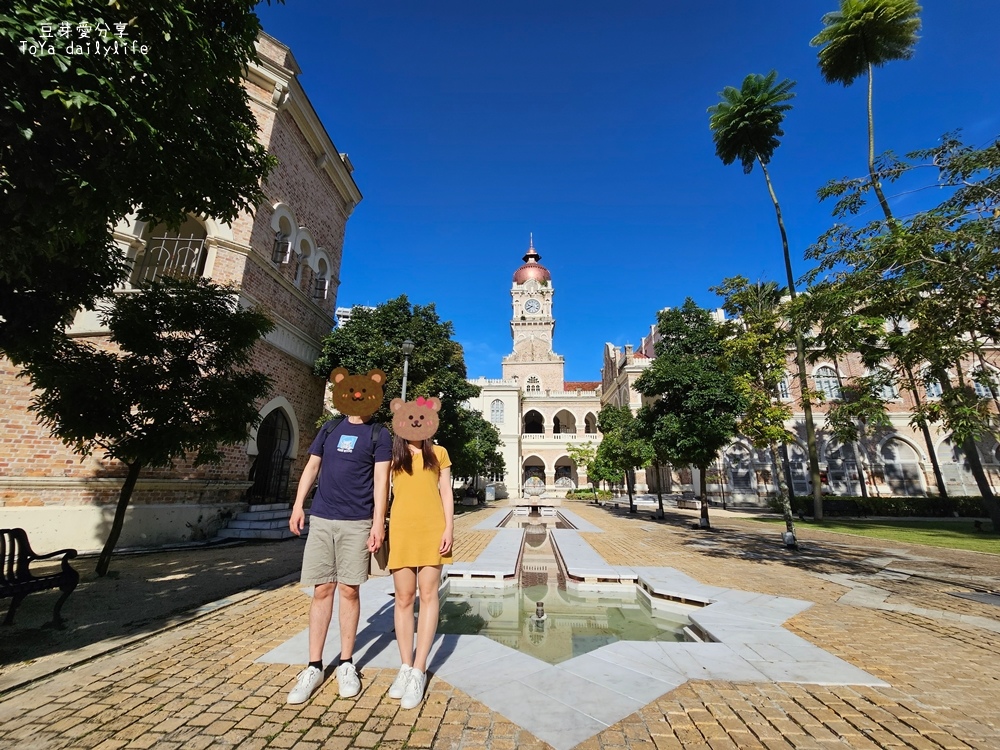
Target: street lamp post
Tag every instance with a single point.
(407, 351)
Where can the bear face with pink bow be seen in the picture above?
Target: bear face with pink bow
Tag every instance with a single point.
(415, 420)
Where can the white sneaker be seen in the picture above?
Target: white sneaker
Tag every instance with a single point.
(308, 680)
(413, 693)
(398, 686)
(347, 678)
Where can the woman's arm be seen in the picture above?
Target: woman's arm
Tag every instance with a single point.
(448, 503)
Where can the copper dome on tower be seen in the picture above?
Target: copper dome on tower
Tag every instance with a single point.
(531, 269)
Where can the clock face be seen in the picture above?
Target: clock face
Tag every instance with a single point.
(532, 306)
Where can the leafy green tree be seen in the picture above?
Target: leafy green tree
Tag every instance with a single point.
(746, 125)
(86, 139)
(622, 448)
(755, 345)
(584, 455)
(374, 338)
(178, 382)
(937, 272)
(862, 35)
(698, 397)
(478, 446)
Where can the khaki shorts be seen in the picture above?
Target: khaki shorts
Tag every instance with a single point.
(336, 551)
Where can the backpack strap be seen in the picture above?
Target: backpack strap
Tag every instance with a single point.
(376, 430)
(330, 426)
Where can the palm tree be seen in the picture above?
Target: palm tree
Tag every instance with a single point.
(746, 125)
(861, 35)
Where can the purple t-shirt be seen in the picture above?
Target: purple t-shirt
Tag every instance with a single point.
(347, 474)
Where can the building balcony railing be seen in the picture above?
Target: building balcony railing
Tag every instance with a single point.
(176, 257)
(561, 436)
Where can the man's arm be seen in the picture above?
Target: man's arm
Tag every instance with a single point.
(381, 506)
(297, 521)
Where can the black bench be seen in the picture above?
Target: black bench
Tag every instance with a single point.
(17, 580)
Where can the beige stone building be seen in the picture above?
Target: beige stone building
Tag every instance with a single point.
(538, 413)
(284, 257)
(892, 461)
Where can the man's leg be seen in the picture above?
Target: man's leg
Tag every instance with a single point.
(349, 616)
(319, 570)
(320, 614)
(353, 559)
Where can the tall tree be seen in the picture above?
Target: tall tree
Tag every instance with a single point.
(938, 271)
(863, 35)
(756, 343)
(374, 339)
(178, 383)
(159, 124)
(622, 447)
(583, 455)
(698, 398)
(746, 125)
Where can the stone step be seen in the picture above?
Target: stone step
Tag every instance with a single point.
(230, 533)
(264, 515)
(263, 524)
(270, 506)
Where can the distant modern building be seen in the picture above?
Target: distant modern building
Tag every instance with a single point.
(285, 257)
(343, 314)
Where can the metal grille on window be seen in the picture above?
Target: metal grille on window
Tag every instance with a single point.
(173, 256)
(496, 411)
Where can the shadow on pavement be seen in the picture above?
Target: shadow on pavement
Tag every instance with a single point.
(142, 593)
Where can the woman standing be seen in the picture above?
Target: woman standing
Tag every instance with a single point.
(421, 527)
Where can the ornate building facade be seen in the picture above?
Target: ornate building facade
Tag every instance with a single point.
(538, 413)
(285, 257)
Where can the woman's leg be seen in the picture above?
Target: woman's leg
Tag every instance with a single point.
(404, 580)
(429, 579)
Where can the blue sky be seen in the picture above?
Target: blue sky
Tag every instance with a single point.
(472, 124)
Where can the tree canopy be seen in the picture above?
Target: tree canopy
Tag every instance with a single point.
(374, 339)
(87, 139)
(697, 397)
(178, 382)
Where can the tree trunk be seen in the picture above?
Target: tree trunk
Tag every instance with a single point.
(928, 440)
(800, 362)
(629, 489)
(876, 186)
(786, 506)
(659, 489)
(104, 561)
(990, 504)
(703, 522)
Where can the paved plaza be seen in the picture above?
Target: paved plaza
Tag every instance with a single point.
(920, 660)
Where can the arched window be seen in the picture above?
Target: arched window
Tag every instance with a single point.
(932, 386)
(179, 254)
(321, 283)
(985, 382)
(496, 411)
(827, 383)
(887, 385)
(534, 385)
(783, 390)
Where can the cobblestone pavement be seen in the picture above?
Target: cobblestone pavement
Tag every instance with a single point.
(885, 608)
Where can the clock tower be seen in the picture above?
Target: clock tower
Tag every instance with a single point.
(535, 366)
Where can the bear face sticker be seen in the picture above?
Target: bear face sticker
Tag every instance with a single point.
(415, 420)
(357, 395)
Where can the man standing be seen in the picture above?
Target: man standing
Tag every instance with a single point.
(350, 456)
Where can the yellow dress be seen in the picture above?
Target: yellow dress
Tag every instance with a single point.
(416, 521)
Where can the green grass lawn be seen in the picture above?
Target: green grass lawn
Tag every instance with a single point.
(957, 534)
